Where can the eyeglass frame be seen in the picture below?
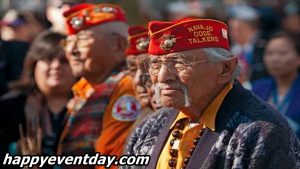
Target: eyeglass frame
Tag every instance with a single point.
(75, 40)
(147, 64)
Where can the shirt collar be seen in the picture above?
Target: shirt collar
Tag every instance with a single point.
(208, 116)
(82, 88)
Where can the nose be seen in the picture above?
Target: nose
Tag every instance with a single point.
(164, 75)
(274, 58)
(55, 63)
(73, 49)
(75, 52)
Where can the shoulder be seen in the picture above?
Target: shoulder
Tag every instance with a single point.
(12, 106)
(13, 97)
(264, 143)
(126, 83)
(144, 136)
(265, 82)
(157, 120)
(11, 45)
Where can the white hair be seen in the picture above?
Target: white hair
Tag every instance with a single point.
(119, 28)
(216, 54)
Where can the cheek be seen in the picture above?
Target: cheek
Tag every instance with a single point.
(201, 83)
(41, 73)
(88, 64)
(85, 52)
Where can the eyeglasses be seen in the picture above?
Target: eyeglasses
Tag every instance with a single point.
(173, 66)
(81, 40)
(146, 80)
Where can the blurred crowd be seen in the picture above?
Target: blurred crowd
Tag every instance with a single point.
(37, 82)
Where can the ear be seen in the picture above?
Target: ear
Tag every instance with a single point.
(120, 47)
(121, 43)
(226, 70)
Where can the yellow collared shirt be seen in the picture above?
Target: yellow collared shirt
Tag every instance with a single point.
(189, 133)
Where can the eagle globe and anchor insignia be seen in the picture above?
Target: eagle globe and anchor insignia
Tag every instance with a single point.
(142, 44)
(168, 41)
(77, 22)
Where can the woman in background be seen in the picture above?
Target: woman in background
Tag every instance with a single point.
(282, 89)
(40, 103)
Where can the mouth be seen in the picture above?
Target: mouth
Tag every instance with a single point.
(155, 104)
(76, 61)
(169, 91)
(142, 94)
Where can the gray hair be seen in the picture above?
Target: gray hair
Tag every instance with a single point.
(216, 54)
(119, 28)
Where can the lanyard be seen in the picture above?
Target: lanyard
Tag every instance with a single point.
(283, 105)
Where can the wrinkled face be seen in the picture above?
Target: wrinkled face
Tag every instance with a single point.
(140, 78)
(182, 79)
(90, 51)
(131, 64)
(54, 75)
(154, 98)
(281, 58)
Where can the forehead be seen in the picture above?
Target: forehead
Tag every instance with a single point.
(142, 57)
(89, 31)
(130, 57)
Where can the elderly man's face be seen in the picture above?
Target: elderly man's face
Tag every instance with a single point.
(183, 78)
(89, 51)
(131, 64)
(140, 80)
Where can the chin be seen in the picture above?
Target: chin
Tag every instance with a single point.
(77, 73)
(170, 102)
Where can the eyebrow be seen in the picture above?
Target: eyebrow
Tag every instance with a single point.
(170, 56)
(176, 56)
(84, 33)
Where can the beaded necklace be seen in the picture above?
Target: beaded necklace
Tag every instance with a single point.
(174, 143)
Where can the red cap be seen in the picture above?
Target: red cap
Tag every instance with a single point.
(138, 40)
(186, 34)
(84, 16)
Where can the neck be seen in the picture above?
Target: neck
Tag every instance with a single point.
(283, 83)
(196, 109)
(97, 79)
(56, 103)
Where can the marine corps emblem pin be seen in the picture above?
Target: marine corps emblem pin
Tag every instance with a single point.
(168, 42)
(142, 44)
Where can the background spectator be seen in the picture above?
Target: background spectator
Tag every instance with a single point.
(23, 26)
(247, 43)
(39, 103)
(282, 89)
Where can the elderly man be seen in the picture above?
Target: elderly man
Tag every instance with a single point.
(137, 53)
(104, 106)
(219, 124)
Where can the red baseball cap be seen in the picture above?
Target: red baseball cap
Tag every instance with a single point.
(138, 40)
(85, 15)
(186, 34)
